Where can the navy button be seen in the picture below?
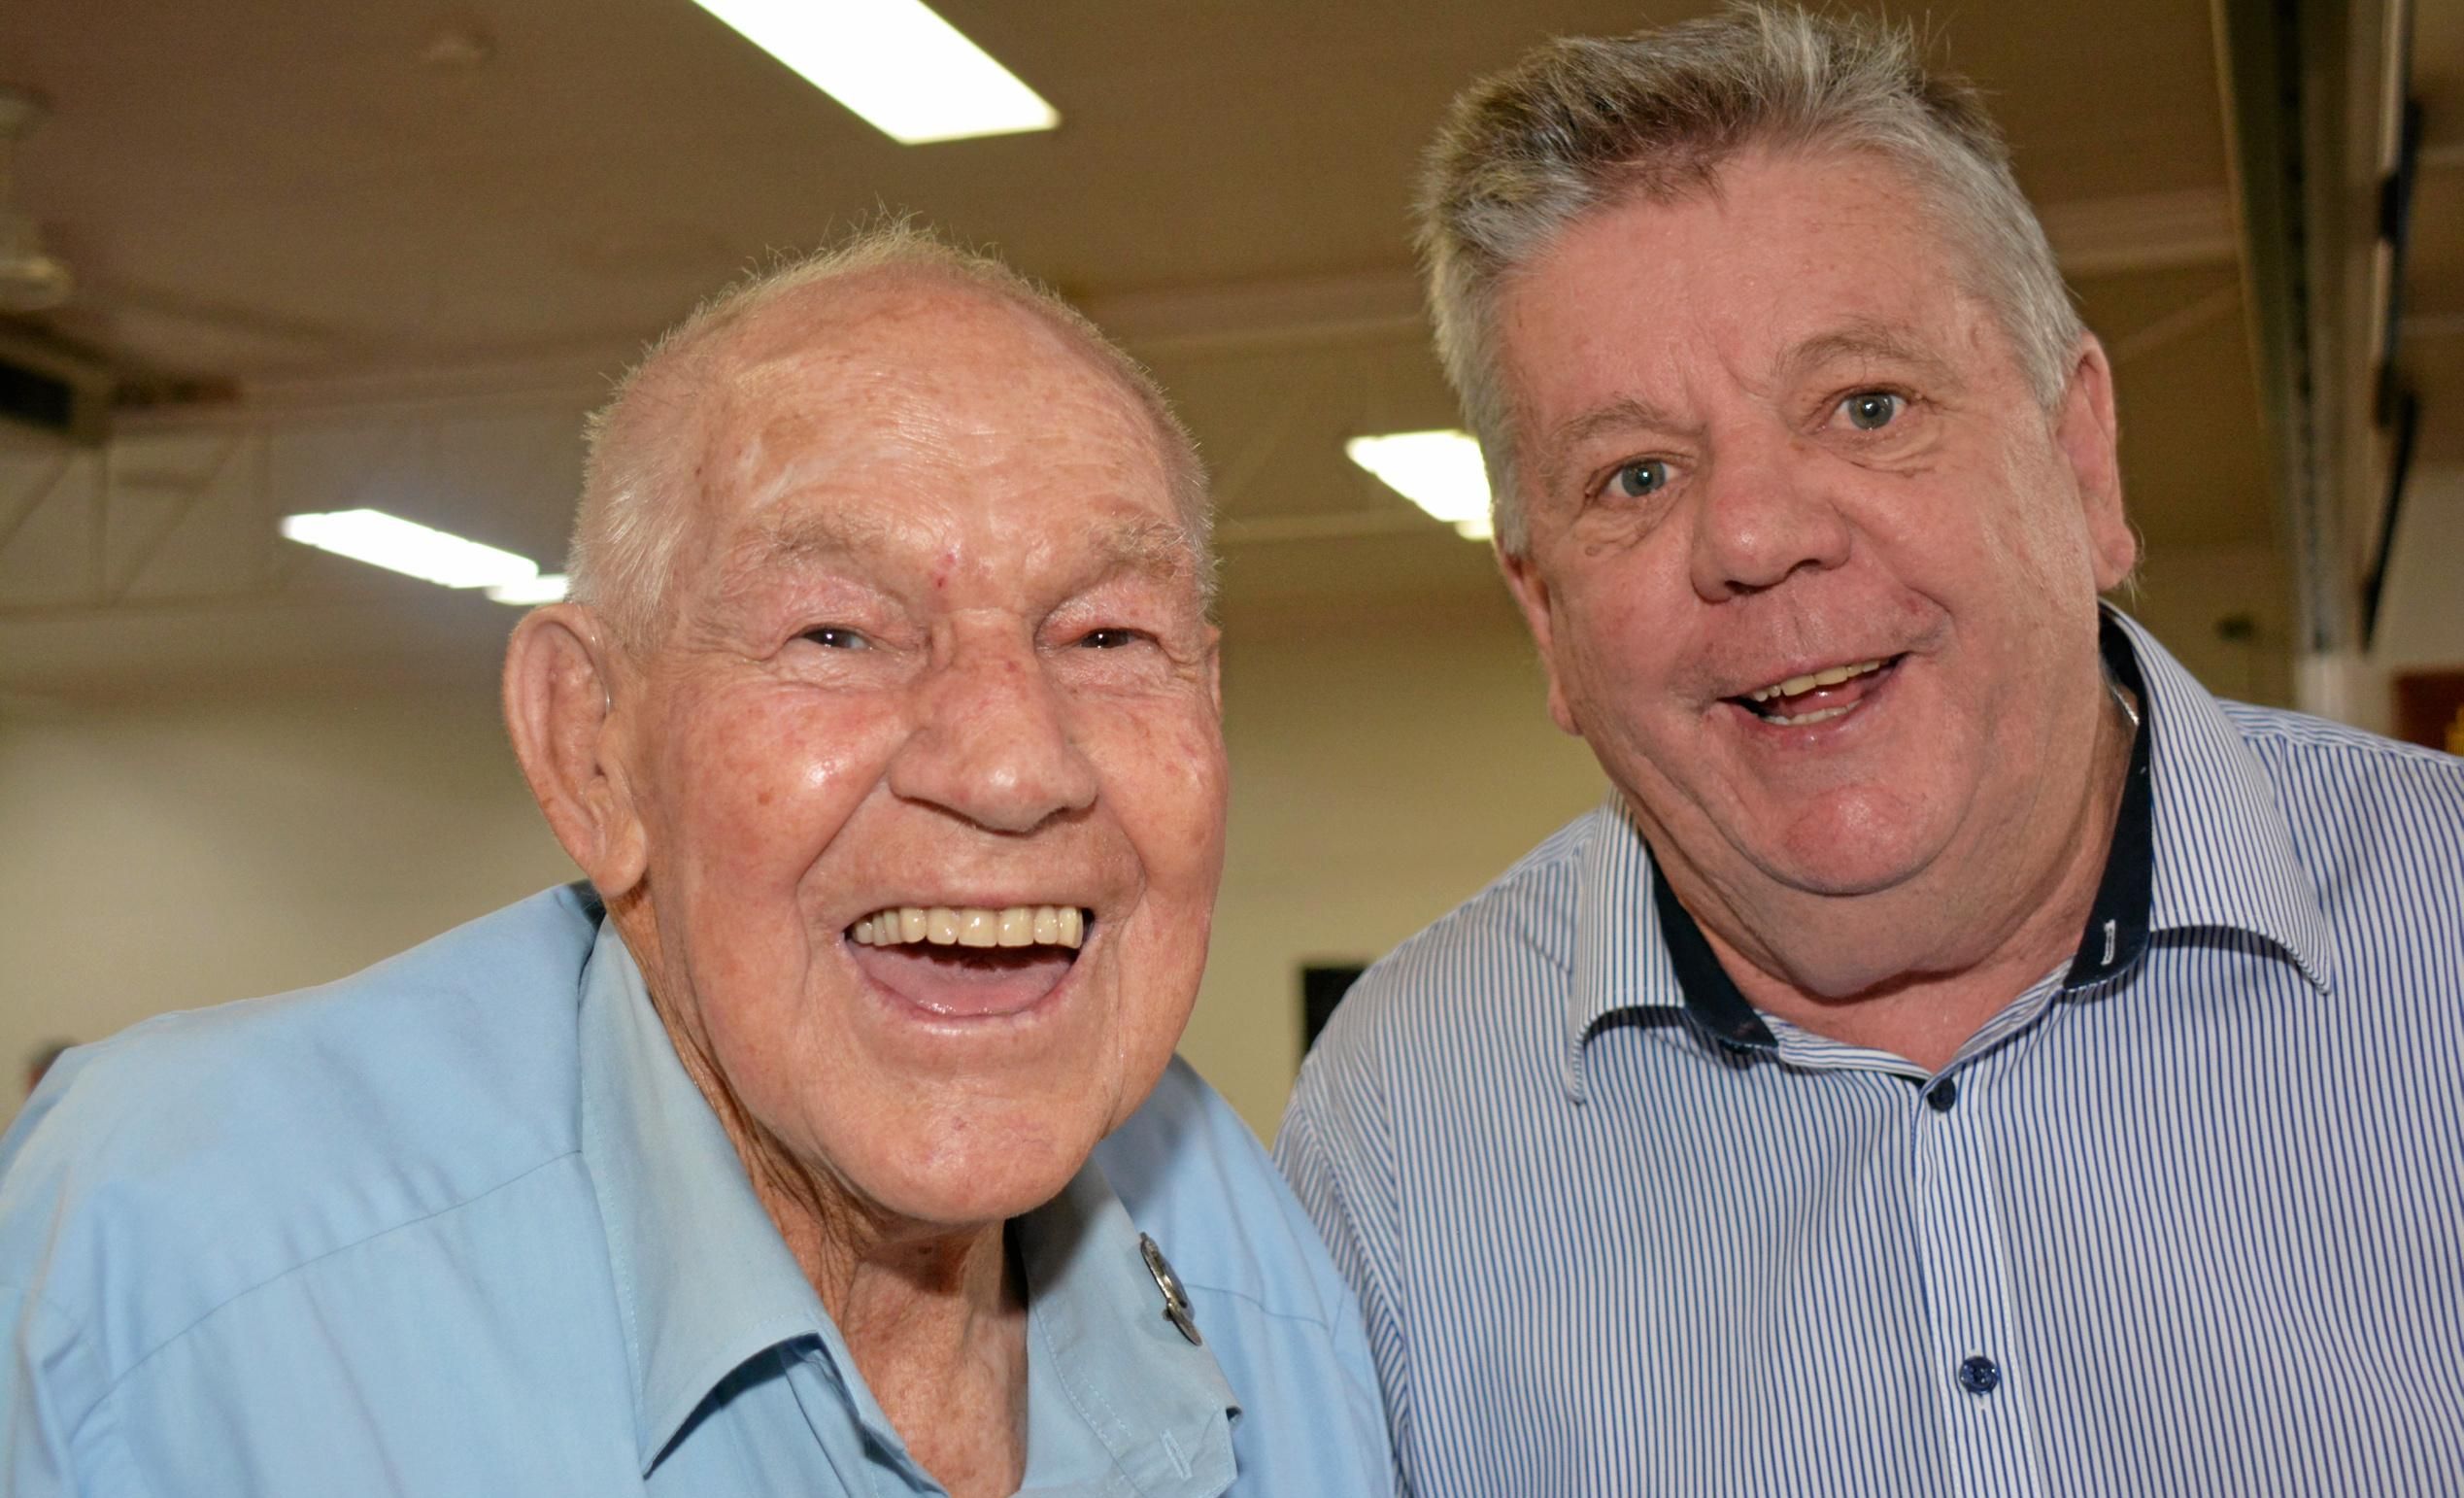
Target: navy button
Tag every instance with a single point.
(1979, 1375)
(1944, 1095)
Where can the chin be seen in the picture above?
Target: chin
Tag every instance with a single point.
(985, 1169)
(1850, 847)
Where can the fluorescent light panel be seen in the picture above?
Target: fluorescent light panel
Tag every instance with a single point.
(546, 587)
(1440, 471)
(911, 75)
(429, 555)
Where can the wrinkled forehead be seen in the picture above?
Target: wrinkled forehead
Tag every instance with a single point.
(1101, 541)
(814, 432)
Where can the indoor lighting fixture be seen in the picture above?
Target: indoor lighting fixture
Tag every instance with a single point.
(431, 556)
(911, 75)
(1440, 471)
(546, 587)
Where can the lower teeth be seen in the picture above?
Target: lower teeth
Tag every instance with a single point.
(1823, 715)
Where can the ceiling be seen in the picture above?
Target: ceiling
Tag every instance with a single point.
(388, 252)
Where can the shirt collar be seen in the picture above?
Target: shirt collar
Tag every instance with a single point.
(705, 1283)
(1622, 966)
(1133, 1393)
(2199, 841)
(702, 1277)
(2224, 854)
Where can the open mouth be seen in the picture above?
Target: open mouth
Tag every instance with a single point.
(1819, 697)
(961, 962)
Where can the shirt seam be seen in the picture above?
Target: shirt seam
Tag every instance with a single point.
(112, 1388)
(1304, 1318)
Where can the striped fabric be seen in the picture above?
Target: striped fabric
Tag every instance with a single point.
(2193, 1223)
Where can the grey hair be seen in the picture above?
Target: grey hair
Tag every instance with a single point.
(1582, 125)
(638, 471)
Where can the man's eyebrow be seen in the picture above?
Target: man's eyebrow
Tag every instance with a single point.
(1158, 550)
(1872, 341)
(1625, 414)
(803, 536)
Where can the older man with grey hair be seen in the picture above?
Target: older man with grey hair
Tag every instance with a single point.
(1961, 1055)
(828, 1139)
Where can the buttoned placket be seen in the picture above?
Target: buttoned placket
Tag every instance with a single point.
(1973, 1371)
(1970, 1368)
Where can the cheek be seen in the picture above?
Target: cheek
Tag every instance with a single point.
(765, 784)
(1615, 631)
(1167, 783)
(1164, 774)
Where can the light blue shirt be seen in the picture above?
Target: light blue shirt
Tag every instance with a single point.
(461, 1225)
(2186, 1217)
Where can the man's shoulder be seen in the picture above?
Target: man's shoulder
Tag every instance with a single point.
(1508, 945)
(1280, 1320)
(197, 1155)
(2291, 737)
(1194, 1177)
(2348, 785)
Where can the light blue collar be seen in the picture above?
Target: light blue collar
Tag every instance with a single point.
(1118, 1401)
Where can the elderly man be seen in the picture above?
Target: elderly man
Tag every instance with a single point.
(1961, 1055)
(884, 723)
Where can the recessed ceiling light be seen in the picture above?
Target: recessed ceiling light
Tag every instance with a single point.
(1440, 471)
(912, 74)
(546, 587)
(408, 547)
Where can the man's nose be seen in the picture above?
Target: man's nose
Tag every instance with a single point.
(1764, 512)
(991, 739)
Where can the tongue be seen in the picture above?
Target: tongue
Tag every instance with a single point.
(965, 981)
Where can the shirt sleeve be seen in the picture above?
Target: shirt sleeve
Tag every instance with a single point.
(1332, 1148)
(34, 1435)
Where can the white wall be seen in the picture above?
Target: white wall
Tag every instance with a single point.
(159, 857)
(2183, 594)
(166, 855)
(1383, 771)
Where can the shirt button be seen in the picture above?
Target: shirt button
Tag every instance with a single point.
(1943, 1096)
(1979, 1375)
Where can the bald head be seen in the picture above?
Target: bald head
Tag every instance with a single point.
(649, 457)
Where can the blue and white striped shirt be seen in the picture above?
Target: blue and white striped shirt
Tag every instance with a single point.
(2189, 1221)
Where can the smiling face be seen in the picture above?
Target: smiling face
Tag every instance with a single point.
(1813, 571)
(936, 647)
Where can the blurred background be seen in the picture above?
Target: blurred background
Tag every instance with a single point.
(272, 257)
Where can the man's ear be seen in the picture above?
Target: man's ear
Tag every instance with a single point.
(559, 697)
(2085, 429)
(1532, 595)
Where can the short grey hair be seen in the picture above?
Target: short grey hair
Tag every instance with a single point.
(1582, 125)
(640, 448)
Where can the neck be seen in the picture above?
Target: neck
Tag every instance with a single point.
(1917, 971)
(934, 1314)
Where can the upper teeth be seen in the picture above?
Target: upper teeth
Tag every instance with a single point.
(1829, 676)
(974, 926)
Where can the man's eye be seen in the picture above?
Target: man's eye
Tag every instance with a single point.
(1108, 638)
(1873, 410)
(1640, 479)
(837, 637)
